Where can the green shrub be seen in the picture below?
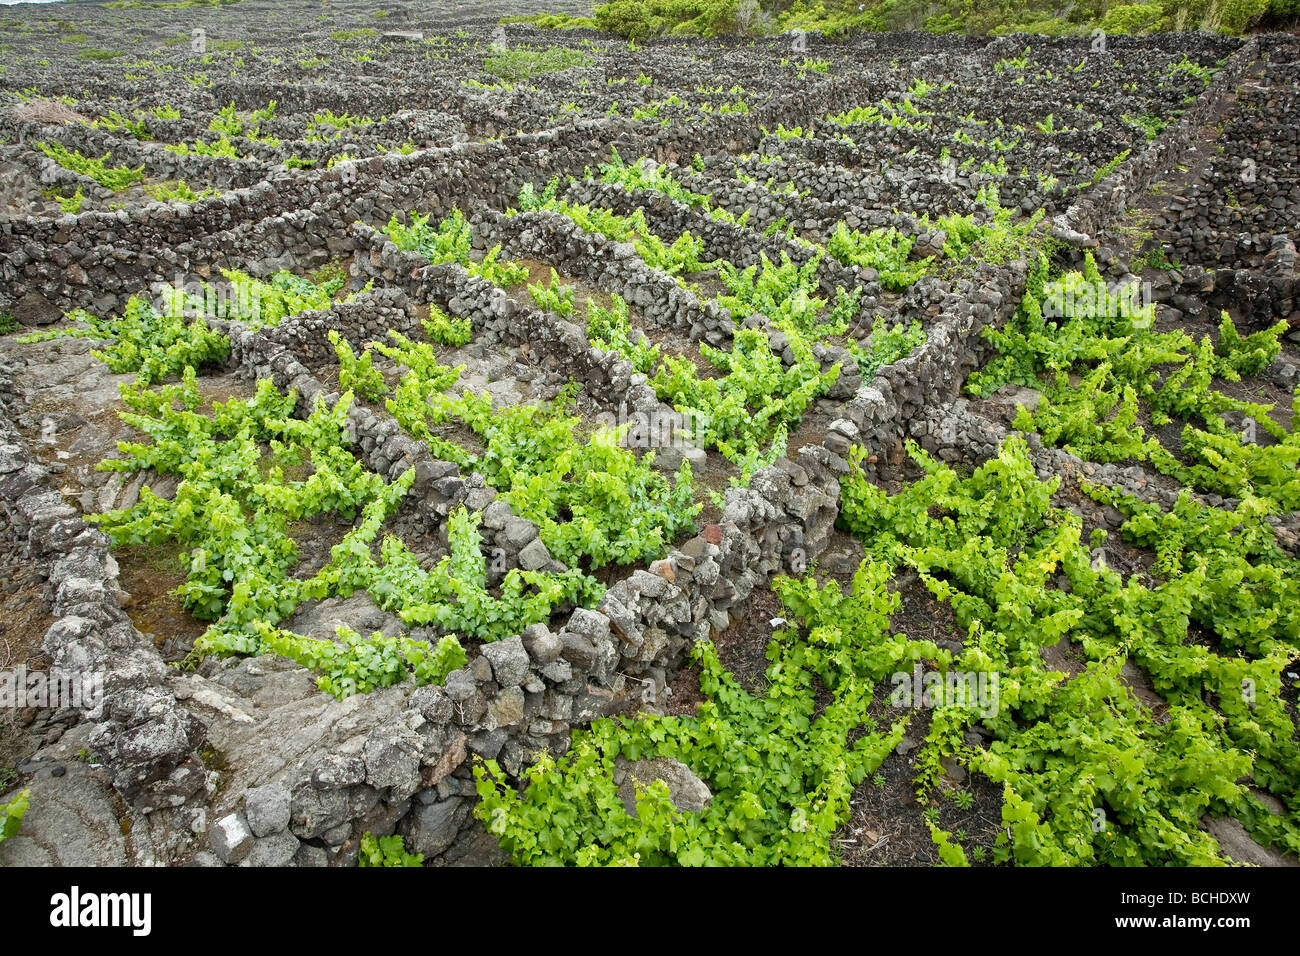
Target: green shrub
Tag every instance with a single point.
(115, 178)
(517, 66)
(386, 851)
(343, 36)
(447, 329)
(1132, 18)
(11, 815)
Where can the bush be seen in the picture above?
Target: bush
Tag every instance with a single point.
(1132, 18)
(343, 36)
(517, 66)
(1227, 16)
(11, 815)
(386, 851)
(641, 19)
(554, 21)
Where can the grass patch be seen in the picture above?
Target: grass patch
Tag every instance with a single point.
(517, 66)
(344, 36)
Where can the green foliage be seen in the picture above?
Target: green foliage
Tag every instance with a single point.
(554, 21)
(1153, 258)
(750, 460)
(71, 203)
(345, 36)
(885, 250)
(1131, 18)
(782, 133)
(99, 53)
(1191, 68)
(645, 175)
(1249, 355)
(642, 19)
(1089, 420)
(155, 345)
(886, 346)
(680, 257)
(950, 854)
(115, 178)
(11, 814)
(229, 123)
(230, 509)
(997, 240)
(992, 548)
(555, 297)
(781, 768)
(742, 411)
(611, 330)
(115, 121)
(257, 303)
(226, 122)
(786, 294)
(358, 375)
(887, 113)
(445, 329)
(1095, 334)
(389, 850)
(1108, 167)
(357, 665)
(504, 274)
(592, 500)
(520, 64)
(178, 191)
(1149, 125)
(454, 596)
(450, 241)
(221, 147)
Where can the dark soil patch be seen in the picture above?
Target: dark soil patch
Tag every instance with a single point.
(539, 273)
(684, 694)
(672, 345)
(25, 616)
(742, 648)
(151, 574)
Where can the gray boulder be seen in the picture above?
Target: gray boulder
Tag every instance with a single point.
(688, 793)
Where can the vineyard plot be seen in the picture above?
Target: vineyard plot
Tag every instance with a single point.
(512, 445)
